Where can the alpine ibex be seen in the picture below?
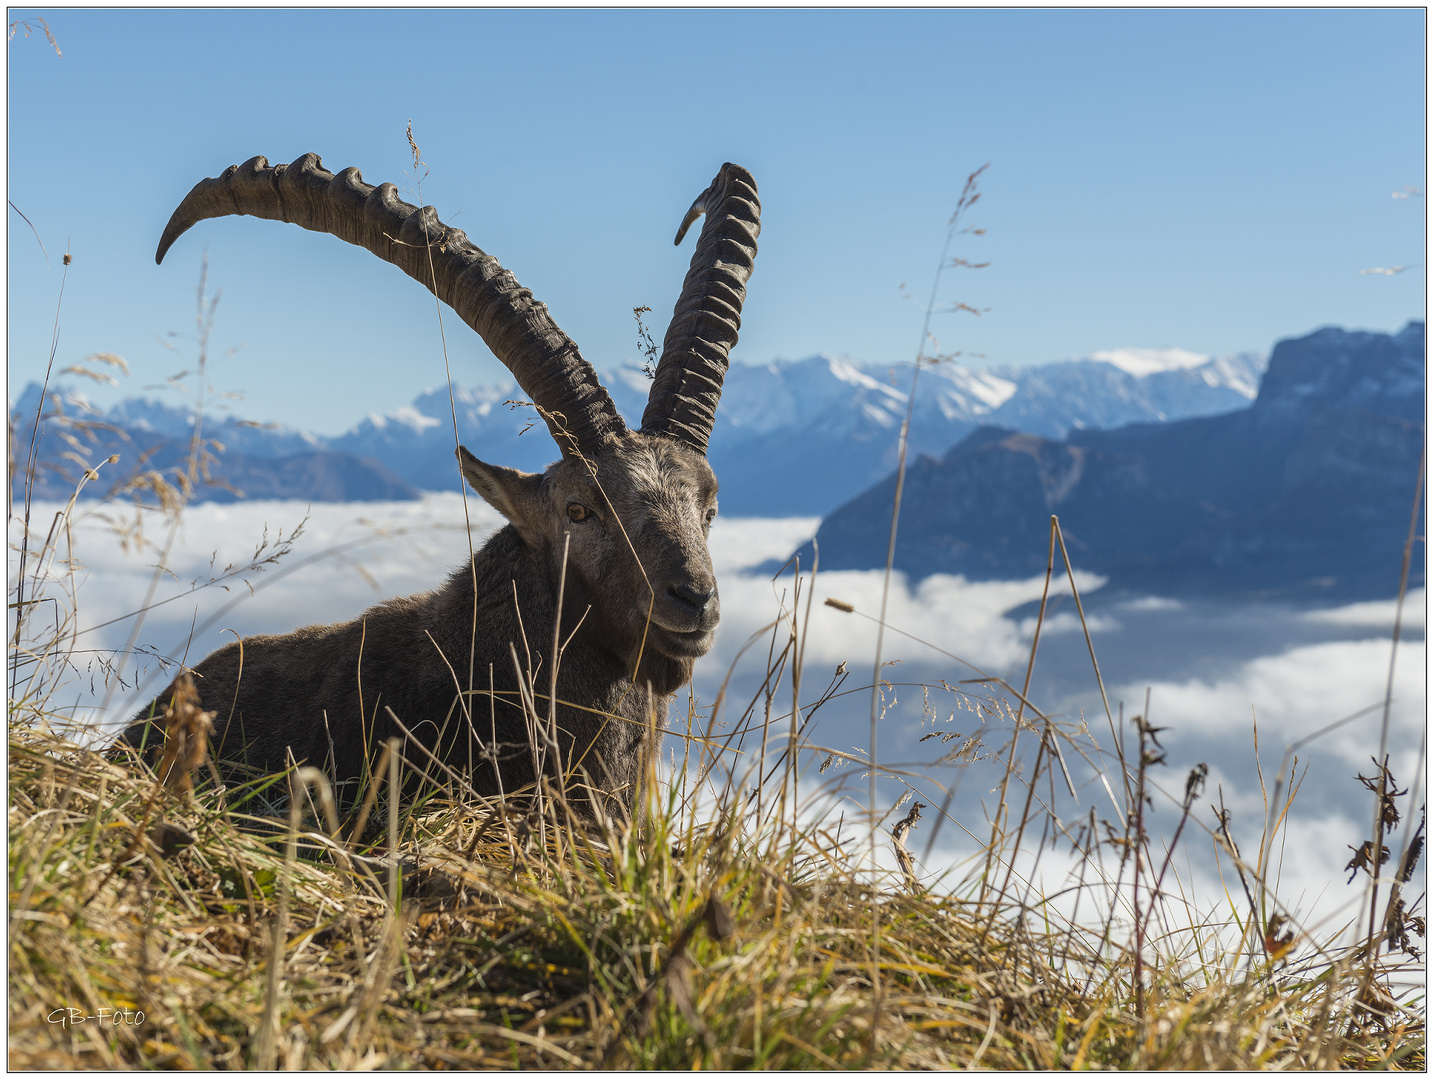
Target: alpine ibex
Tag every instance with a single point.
(603, 564)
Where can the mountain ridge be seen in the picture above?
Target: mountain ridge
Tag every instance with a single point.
(1306, 492)
(792, 437)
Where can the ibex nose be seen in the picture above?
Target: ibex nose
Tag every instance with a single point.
(694, 594)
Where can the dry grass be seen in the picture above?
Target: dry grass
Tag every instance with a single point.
(688, 944)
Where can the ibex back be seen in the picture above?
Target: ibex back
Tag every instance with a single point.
(601, 577)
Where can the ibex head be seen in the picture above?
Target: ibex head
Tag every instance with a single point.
(635, 515)
(631, 508)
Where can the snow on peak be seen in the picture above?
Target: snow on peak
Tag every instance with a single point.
(991, 390)
(845, 369)
(1142, 362)
(407, 416)
(631, 375)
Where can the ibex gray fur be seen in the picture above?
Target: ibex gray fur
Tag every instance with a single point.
(605, 554)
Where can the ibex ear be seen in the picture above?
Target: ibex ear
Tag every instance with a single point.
(515, 494)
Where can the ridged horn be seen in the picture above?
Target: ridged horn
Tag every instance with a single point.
(688, 384)
(544, 360)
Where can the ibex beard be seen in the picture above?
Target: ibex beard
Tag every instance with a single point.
(549, 661)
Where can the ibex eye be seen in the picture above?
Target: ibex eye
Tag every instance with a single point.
(578, 512)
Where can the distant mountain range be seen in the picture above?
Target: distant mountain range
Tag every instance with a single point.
(242, 459)
(1304, 493)
(792, 437)
(799, 438)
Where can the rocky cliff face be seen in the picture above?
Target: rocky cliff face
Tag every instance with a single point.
(1305, 493)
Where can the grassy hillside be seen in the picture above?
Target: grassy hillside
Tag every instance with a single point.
(698, 941)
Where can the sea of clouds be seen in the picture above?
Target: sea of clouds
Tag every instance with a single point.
(1219, 677)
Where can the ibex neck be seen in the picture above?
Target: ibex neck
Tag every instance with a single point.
(520, 585)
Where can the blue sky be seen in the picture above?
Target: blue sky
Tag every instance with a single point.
(1212, 180)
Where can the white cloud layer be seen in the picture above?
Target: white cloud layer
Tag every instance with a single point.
(1295, 694)
(1375, 613)
(942, 614)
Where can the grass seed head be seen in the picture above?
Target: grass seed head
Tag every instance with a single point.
(187, 728)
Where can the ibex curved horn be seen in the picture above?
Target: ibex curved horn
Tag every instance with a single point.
(683, 400)
(544, 360)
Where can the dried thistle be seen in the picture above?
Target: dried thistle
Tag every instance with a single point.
(645, 343)
(898, 843)
(1276, 943)
(1383, 784)
(1361, 860)
(1156, 754)
(187, 728)
(1411, 856)
(1195, 783)
(1397, 927)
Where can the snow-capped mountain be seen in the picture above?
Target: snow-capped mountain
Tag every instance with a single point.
(792, 437)
(1305, 492)
(800, 437)
(244, 459)
(416, 441)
